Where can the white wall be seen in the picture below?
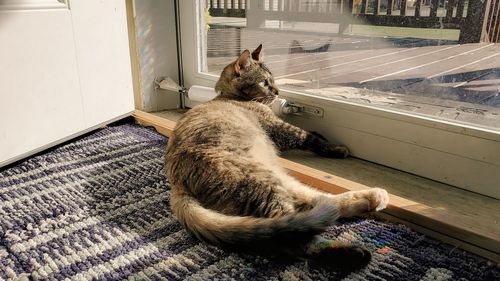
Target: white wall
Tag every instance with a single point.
(157, 51)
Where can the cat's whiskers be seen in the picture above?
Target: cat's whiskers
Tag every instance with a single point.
(268, 99)
(259, 99)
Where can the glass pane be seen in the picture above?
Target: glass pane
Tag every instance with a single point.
(431, 57)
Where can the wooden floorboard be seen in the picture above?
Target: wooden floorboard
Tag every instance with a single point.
(367, 71)
(339, 66)
(486, 61)
(286, 66)
(445, 60)
(464, 219)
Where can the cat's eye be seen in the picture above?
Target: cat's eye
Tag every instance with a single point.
(264, 83)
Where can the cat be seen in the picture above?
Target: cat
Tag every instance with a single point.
(228, 188)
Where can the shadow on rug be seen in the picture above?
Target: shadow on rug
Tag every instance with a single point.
(97, 208)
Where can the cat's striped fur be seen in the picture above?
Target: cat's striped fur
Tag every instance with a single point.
(227, 185)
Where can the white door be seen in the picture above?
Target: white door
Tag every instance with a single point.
(64, 69)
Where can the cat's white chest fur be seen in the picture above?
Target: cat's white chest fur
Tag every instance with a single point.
(262, 150)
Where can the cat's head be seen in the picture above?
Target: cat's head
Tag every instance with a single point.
(248, 79)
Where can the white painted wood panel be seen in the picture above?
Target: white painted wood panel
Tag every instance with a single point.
(33, 4)
(40, 99)
(102, 51)
(64, 70)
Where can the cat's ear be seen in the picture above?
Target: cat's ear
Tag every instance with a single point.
(257, 54)
(242, 62)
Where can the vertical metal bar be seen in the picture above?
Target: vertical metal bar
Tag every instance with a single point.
(376, 8)
(364, 6)
(233, 7)
(403, 8)
(460, 8)
(450, 5)
(417, 8)
(434, 8)
(491, 16)
(218, 4)
(487, 11)
(497, 23)
(494, 28)
(179, 50)
(389, 7)
(280, 5)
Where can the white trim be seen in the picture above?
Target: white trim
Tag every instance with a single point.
(10, 5)
(463, 155)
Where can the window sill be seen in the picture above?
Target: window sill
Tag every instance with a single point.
(462, 218)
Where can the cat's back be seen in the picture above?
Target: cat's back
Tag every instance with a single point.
(216, 124)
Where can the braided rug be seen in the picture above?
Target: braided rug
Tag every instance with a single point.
(98, 208)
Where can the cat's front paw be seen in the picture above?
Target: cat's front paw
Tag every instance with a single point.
(334, 151)
(340, 151)
(320, 145)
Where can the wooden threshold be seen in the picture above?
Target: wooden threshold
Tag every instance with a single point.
(420, 217)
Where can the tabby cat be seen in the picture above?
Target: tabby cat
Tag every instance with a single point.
(229, 189)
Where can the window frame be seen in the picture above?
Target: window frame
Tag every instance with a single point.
(458, 154)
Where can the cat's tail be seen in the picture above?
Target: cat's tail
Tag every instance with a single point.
(221, 229)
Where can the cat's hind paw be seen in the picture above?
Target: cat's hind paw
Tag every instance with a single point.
(379, 199)
(319, 144)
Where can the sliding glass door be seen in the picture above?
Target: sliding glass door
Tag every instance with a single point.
(414, 85)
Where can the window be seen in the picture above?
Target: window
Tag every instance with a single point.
(413, 85)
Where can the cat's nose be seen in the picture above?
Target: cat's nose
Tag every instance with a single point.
(274, 90)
